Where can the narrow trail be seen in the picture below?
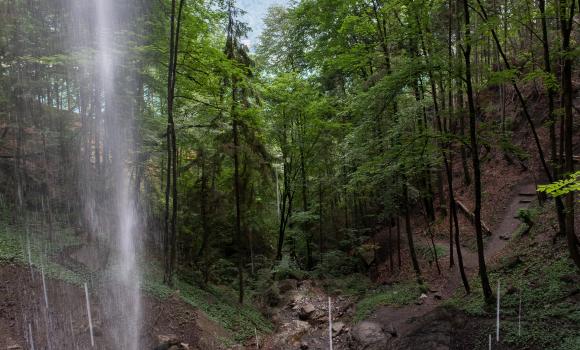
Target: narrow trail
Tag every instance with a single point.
(403, 319)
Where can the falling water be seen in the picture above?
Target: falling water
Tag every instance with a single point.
(112, 217)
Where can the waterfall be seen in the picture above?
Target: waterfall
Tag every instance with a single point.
(101, 32)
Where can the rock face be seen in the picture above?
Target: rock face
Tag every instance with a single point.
(370, 336)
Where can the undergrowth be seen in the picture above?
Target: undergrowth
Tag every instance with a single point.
(543, 276)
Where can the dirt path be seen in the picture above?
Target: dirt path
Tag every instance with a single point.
(403, 319)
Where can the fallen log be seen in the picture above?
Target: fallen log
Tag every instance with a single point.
(471, 217)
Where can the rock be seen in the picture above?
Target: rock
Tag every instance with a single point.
(423, 296)
(391, 330)
(438, 296)
(304, 346)
(168, 342)
(505, 237)
(370, 336)
(291, 334)
(337, 327)
(509, 262)
(306, 311)
(14, 347)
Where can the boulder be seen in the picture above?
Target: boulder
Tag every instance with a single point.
(370, 336)
(337, 327)
(306, 311)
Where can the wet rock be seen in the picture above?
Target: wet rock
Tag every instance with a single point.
(306, 311)
(370, 336)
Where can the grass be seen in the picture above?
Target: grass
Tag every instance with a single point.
(395, 295)
(219, 304)
(549, 318)
(15, 245)
(355, 285)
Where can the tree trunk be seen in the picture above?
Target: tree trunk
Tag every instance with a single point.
(475, 158)
(566, 25)
(409, 232)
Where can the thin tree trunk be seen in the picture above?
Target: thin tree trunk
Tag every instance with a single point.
(566, 25)
(475, 158)
(409, 232)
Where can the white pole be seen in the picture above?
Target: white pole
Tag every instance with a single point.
(31, 338)
(497, 313)
(329, 323)
(44, 288)
(489, 342)
(277, 194)
(520, 316)
(89, 315)
(257, 341)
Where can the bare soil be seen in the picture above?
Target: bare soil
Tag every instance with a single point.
(64, 324)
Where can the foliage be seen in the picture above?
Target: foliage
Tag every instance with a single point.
(549, 317)
(562, 187)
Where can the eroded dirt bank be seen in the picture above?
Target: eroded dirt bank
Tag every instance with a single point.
(64, 324)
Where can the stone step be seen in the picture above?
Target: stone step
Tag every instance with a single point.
(525, 201)
(523, 194)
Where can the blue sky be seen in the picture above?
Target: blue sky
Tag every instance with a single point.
(256, 11)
